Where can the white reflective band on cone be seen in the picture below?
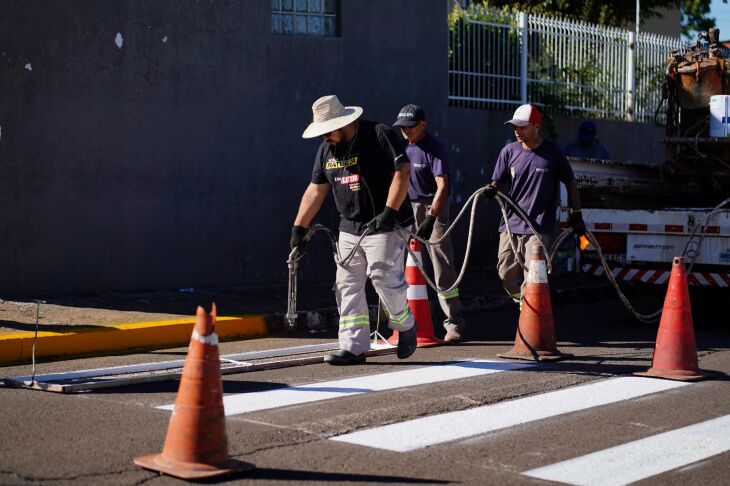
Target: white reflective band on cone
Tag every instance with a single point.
(538, 272)
(410, 262)
(417, 292)
(211, 339)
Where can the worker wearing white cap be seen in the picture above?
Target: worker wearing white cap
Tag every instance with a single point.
(530, 171)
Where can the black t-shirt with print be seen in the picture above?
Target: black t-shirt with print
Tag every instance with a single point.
(361, 173)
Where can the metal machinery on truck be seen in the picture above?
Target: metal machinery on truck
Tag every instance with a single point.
(643, 216)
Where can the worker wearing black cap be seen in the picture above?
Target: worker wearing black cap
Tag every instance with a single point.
(587, 146)
(429, 193)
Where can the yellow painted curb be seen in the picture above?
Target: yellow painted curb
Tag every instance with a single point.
(97, 339)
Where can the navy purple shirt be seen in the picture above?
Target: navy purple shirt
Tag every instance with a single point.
(428, 159)
(533, 178)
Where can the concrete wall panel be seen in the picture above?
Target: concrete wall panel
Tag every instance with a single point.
(157, 145)
(151, 145)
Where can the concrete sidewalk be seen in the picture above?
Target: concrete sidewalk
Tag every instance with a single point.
(112, 323)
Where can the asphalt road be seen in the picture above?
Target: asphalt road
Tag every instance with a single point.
(532, 417)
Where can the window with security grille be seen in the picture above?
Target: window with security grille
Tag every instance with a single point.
(305, 17)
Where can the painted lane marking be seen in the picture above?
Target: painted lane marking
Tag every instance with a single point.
(295, 395)
(437, 429)
(171, 365)
(643, 458)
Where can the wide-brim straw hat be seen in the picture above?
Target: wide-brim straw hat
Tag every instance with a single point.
(329, 114)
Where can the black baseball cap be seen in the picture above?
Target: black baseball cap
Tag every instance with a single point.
(410, 115)
(587, 131)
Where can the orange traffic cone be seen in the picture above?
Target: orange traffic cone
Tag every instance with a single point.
(196, 445)
(535, 339)
(418, 302)
(675, 353)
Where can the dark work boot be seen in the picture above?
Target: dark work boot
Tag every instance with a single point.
(406, 342)
(342, 357)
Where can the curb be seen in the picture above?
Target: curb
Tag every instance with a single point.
(84, 341)
(97, 340)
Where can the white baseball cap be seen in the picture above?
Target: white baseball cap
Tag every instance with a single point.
(524, 115)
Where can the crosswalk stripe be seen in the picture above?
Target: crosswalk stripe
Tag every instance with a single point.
(643, 458)
(437, 429)
(294, 395)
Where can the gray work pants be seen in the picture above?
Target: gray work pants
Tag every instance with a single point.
(442, 258)
(509, 268)
(381, 258)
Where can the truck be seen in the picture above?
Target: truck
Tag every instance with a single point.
(643, 215)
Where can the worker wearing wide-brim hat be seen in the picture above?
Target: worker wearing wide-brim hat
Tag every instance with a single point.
(364, 165)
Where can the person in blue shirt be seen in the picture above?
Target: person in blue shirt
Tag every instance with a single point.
(428, 191)
(587, 146)
(530, 171)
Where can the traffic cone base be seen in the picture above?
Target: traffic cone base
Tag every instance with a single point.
(535, 337)
(675, 352)
(680, 375)
(530, 356)
(524, 351)
(190, 470)
(196, 446)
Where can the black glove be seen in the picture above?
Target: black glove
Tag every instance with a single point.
(384, 221)
(426, 228)
(575, 220)
(297, 238)
(490, 190)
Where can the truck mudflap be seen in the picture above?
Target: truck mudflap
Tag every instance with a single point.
(658, 277)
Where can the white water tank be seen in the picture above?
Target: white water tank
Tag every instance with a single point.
(720, 115)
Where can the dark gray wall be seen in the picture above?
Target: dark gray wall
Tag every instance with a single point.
(176, 160)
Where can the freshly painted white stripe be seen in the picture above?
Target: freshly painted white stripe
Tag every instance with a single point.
(171, 365)
(417, 292)
(643, 458)
(428, 431)
(294, 395)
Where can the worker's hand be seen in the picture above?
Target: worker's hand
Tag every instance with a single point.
(384, 221)
(297, 238)
(575, 220)
(426, 228)
(490, 190)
